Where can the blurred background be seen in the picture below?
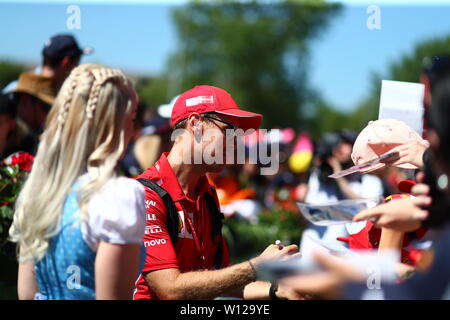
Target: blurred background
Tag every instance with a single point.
(312, 68)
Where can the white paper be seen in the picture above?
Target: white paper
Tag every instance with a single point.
(402, 101)
(338, 212)
(371, 263)
(332, 247)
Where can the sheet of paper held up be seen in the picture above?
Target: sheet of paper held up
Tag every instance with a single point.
(338, 212)
(332, 247)
(402, 101)
(367, 262)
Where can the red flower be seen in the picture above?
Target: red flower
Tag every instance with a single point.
(3, 204)
(23, 159)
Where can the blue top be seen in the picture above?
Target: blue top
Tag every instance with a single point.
(67, 270)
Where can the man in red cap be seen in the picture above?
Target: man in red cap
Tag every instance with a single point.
(186, 255)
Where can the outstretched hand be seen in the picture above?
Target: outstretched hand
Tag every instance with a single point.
(411, 153)
(402, 214)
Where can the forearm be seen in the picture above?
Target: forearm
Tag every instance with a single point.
(26, 284)
(257, 290)
(208, 284)
(391, 239)
(26, 281)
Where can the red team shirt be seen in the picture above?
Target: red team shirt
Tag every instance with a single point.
(191, 245)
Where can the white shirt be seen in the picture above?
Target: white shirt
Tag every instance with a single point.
(116, 213)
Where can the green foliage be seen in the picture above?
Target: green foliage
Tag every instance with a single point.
(407, 68)
(246, 240)
(13, 173)
(9, 72)
(256, 51)
(154, 91)
(326, 118)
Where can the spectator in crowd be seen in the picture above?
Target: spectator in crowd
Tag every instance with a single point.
(155, 135)
(435, 68)
(187, 257)
(152, 138)
(402, 215)
(7, 125)
(334, 155)
(60, 54)
(79, 227)
(34, 92)
(34, 96)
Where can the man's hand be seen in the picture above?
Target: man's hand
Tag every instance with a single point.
(402, 215)
(274, 252)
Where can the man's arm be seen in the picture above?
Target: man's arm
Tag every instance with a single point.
(171, 284)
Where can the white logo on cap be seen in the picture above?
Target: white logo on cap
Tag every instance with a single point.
(199, 100)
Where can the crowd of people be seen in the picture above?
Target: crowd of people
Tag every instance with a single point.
(123, 201)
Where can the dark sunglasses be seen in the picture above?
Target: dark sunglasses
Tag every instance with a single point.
(230, 125)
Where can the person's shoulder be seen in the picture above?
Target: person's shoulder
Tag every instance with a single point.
(117, 213)
(118, 193)
(150, 173)
(151, 196)
(124, 183)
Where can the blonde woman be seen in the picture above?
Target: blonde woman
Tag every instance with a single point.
(79, 227)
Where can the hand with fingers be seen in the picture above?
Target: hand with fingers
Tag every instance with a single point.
(402, 215)
(273, 251)
(411, 153)
(420, 189)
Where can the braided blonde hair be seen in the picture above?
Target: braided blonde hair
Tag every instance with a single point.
(85, 132)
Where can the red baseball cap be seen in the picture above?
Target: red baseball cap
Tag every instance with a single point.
(202, 99)
(406, 185)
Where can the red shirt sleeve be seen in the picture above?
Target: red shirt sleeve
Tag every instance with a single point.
(160, 253)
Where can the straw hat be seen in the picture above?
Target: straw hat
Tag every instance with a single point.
(37, 86)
